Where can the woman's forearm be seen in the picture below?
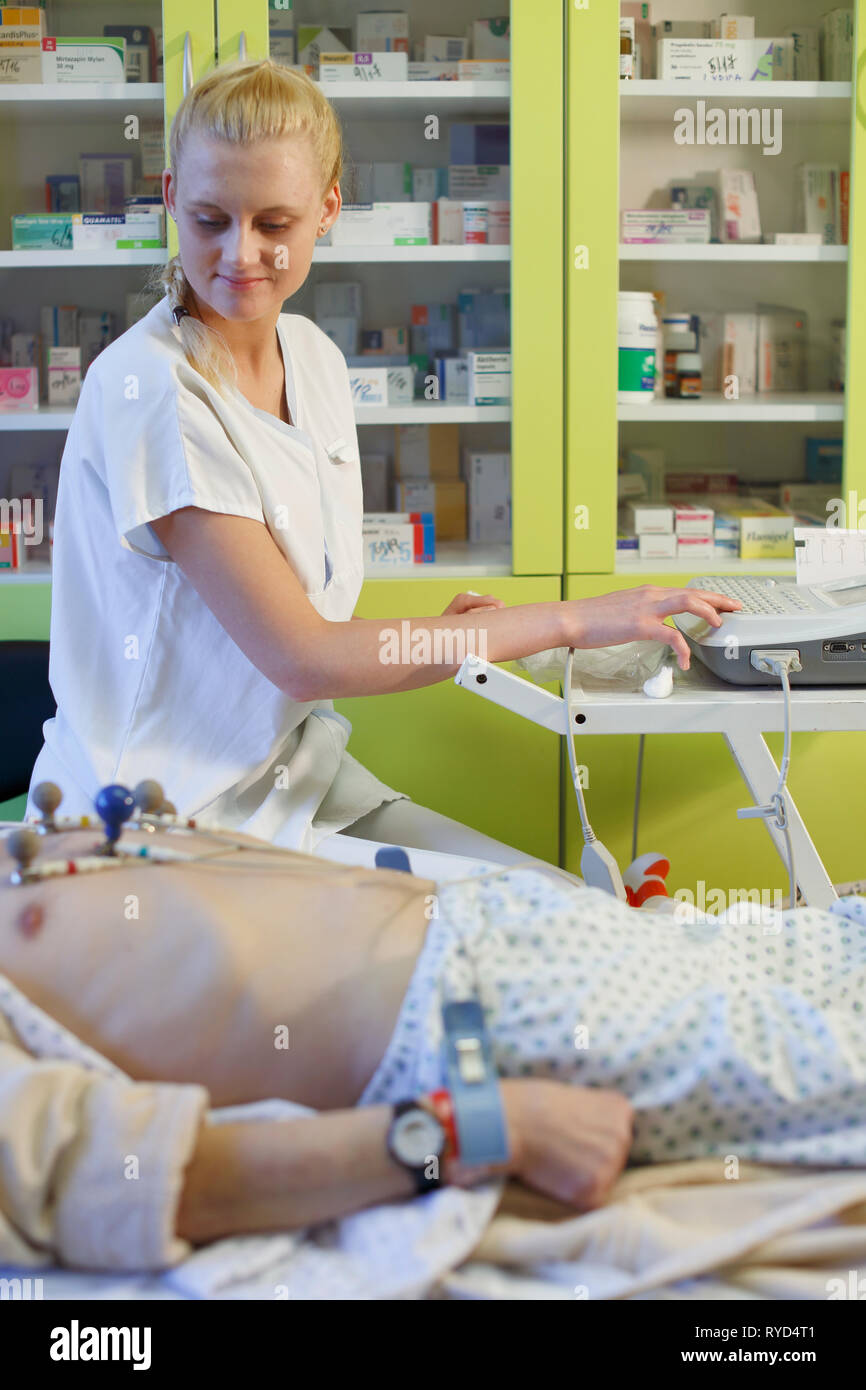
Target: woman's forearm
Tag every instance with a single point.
(373, 656)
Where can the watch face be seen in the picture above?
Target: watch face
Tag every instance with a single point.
(416, 1136)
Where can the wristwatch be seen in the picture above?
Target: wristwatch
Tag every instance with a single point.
(417, 1141)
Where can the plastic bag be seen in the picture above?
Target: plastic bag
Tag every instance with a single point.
(625, 666)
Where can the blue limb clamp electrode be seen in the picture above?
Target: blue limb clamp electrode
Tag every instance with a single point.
(473, 1084)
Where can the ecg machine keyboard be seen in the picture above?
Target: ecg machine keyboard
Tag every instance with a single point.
(757, 596)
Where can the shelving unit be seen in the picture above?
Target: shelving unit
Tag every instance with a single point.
(692, 819)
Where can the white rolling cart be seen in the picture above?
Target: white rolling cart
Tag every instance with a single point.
(700, 704)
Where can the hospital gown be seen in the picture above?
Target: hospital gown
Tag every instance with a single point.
(732, 1040)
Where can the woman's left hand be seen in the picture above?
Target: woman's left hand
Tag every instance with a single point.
(467, 603)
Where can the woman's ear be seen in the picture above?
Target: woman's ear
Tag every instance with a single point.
(168, 192)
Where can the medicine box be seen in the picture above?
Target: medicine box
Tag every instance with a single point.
(342, 297)
(140, 52)
(447, 222)
(101, 59)
(22, 29)
(682, 226)
(765, 532)
(375, 481)
(41, 231)
(490, 38)
(733, 26)
(483, 318)
(281, 31)
(62, 193)
(479, 142)
(485, 70)
(427, 451)
(489, 377)
(428, 184)
(24, 349)
(836, 39)
(64, 375)
(106, 181)
(453, 377)
(382, 31)
(720, 60)
(401, 385)
(681, 29)
(824, 460)
(383, 224)
(692, 520)
(396, 544)
(647, 519)
(434, 72)
(488, 481)
(467, 182)
(817, 201)
(729, 347)
(661, 546)
(694, 548)
(445, 498)
(363, 67)
(806, 55)
(782, 335)
(436, 48)
(739, 215)
(19, 388)
(369, 385)
(342, 329)
(95, 332)
(391, 183)
(814, 498)
(433, 328)
(315, 39)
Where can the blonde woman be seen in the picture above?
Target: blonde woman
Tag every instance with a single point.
(208, 553)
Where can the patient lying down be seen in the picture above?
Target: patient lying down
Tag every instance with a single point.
(253, 973)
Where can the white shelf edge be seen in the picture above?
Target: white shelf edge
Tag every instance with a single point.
(737, 255)
(422, 91)
(420, 412)
(28, 260)
(13, 93)
(665, 88)
(396, 255)
(812, 406)
(694, 567)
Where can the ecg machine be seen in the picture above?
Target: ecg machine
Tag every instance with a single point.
(825, 624)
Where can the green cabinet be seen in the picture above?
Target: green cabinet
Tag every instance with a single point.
(449, 749)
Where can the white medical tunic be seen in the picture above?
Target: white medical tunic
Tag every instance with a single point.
(147, 682)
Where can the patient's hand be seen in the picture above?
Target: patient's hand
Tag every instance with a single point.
(568, 1142)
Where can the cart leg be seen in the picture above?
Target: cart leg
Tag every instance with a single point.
(761, 775)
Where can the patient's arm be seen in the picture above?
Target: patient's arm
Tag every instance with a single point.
(568, 1143)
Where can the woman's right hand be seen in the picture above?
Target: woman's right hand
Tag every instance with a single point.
(569, 1142)
(638, 615)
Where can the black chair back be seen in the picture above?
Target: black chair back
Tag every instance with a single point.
(26, 702)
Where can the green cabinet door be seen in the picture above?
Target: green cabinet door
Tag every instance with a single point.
(451, 750)
(188, 41)
(592, 283)
(241, 29)
(691, 791)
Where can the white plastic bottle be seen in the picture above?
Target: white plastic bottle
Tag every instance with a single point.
(638, 340)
